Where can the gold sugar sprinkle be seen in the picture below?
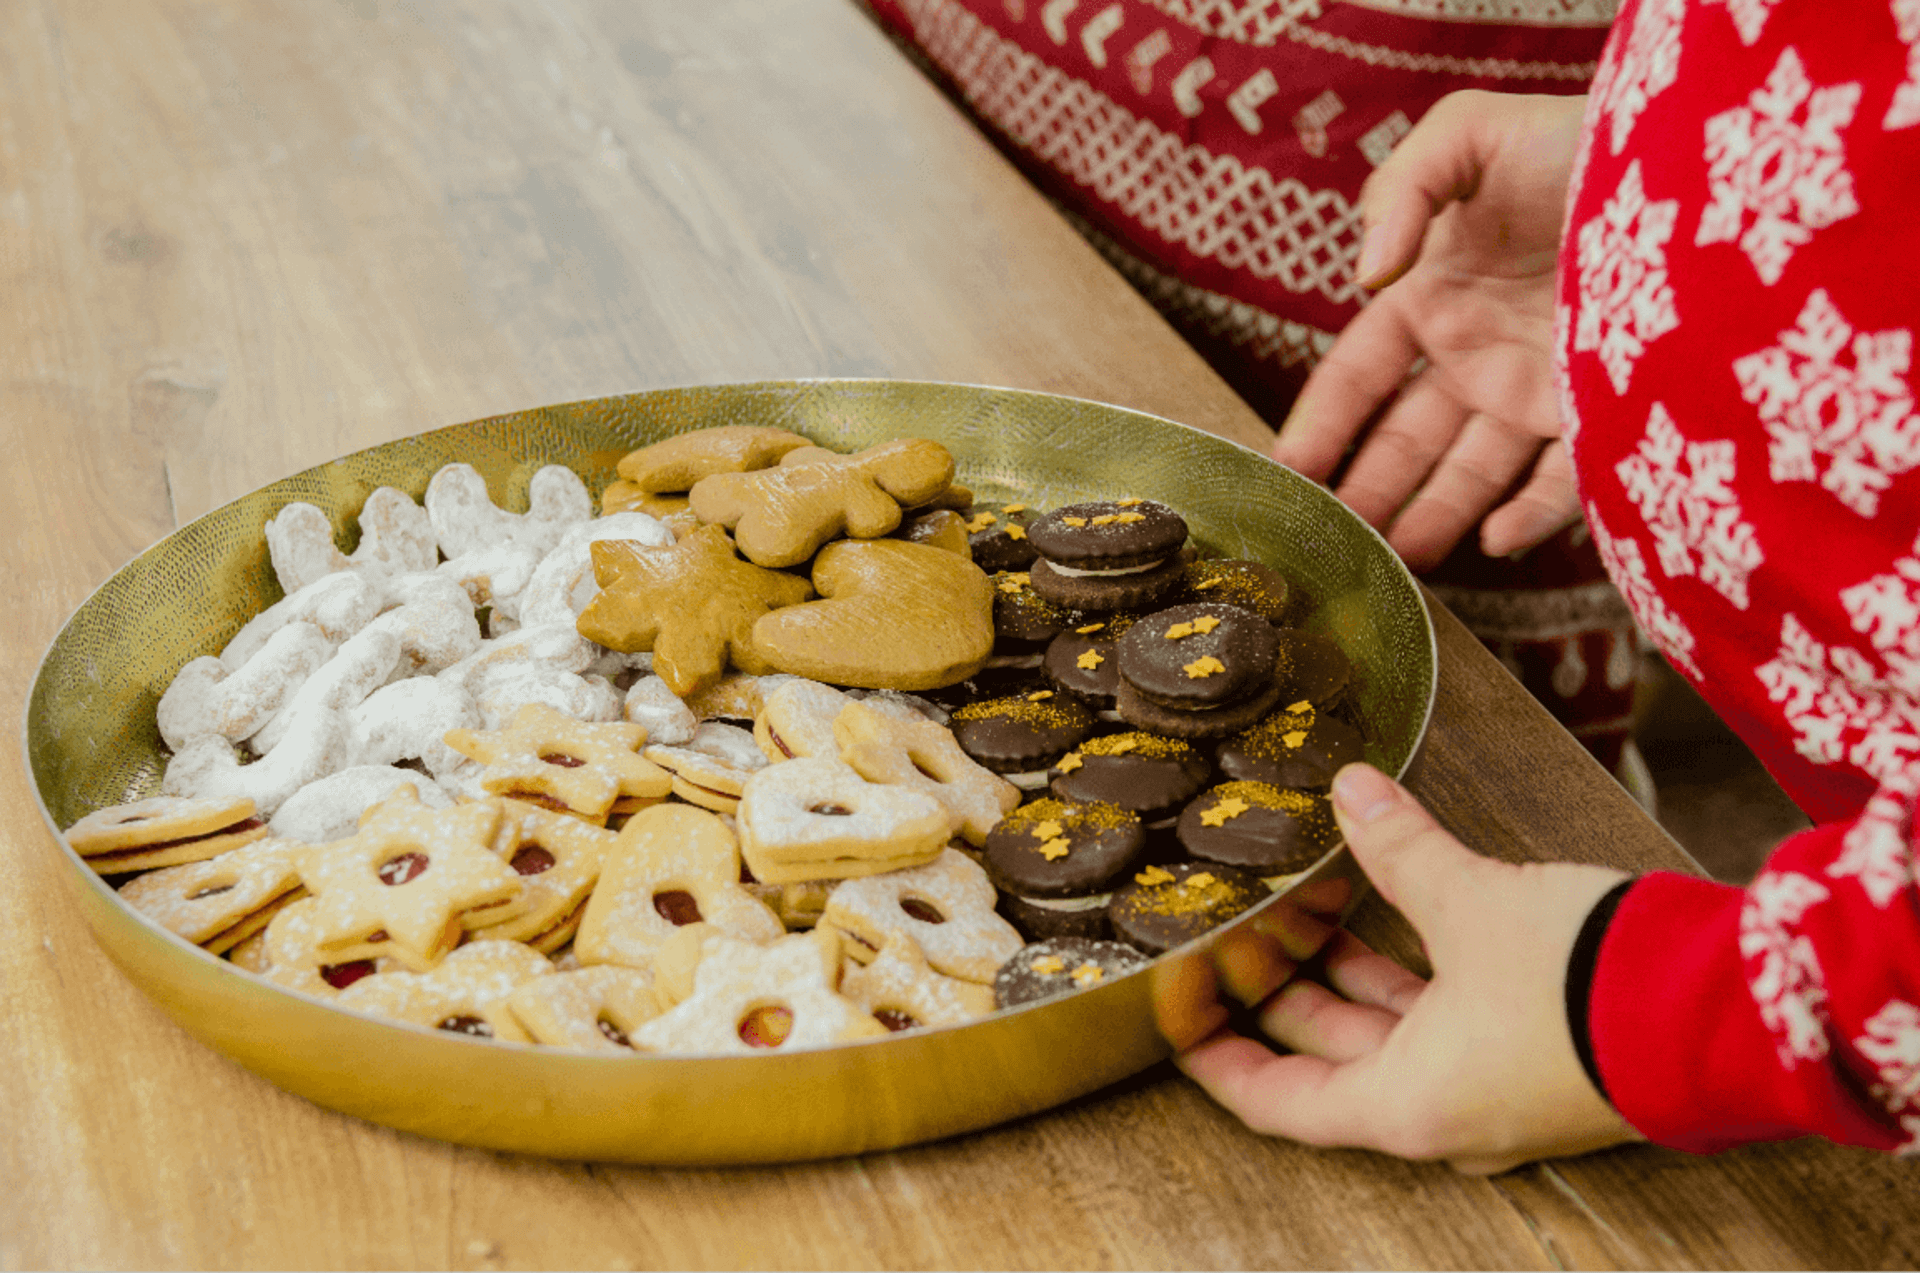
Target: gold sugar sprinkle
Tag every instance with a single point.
(1154, 875)
(1015, 531)
(1055, 848)
(1202, 668)
(1231, 807)
(1069, 762)
(980, 523)
(1088, 975)
(1091, 627)
(1074, 521)
(1206, 623)
(1090, 660)
(1304, 705)
(1048, 965)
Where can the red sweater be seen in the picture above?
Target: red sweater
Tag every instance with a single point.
(1739, 288)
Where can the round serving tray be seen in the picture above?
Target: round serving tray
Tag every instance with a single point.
(91, 741)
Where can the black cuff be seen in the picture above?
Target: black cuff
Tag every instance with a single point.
(1580, 969)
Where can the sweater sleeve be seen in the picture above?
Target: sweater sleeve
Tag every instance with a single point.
(1719, 1016)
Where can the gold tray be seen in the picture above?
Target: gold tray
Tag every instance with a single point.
(92, 741)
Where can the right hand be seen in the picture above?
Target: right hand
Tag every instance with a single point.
(1463, 226)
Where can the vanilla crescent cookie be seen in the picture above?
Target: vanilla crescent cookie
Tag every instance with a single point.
(162, 831)
(222, 901)
(672, 865)
(467, 993)
(356, 670)
(410, 720)
(465, 519)
(923, 756)
(594, 1009)
(319, 741)
(947, 907)
(434, 620)
(902, 990)
(339, 605)
(395, 535)
(330, 808)
(651, 704)
(206, 697)
(816, 818)
(748, 997)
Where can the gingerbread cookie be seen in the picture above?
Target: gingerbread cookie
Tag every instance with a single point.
(679, 463)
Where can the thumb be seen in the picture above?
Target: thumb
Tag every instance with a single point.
(1435, 164)
(1409, 856)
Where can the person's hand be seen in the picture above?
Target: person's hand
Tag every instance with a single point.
(1476, 1066)
(1463, 225)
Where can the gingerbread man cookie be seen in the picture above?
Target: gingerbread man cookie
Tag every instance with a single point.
(679, 463)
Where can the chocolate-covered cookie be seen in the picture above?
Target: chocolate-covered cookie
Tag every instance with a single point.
(1215, 722)
(1311, 666)
(1055, 861)
(997, 535)
(1009, 679)
(1251, 585)
(1022, 733)
(1148, 774)
(1298, 746)
(1130, 588)
(1198, 656)
(1061, 964)
(1266, 830)
(1081, 660)
(938, 527)
(1109, 534)
(1023, 620)
(1162, 907)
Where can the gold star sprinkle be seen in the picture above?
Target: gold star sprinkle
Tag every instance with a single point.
(1090, 660)
(1055, 848)
(1129, 502)
(1294, 739)
(1069, 762)
(1049, 965)
(1016, 531)
(1074, 521)
(1088, 975)
(980, 523)
(1015, 582)
(1179, 630)
(1154, 875)
(1124, 519)
(1107, 519)
(1091, 627)
(1122, 746)
(1048, 829)
(1302, 706)
(1205, 584)
(1198, 881)
(1231, 807)
(1039, 696)
(1202, 668)
(1014, 508)
(1206, 623)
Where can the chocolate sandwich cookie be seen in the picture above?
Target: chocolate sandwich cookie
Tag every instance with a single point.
(1250, 585)
(938, 528)
(1162, 907)
(1266, 830)
(1311, 666)
(1023, 620)
(1055, 861)
(1298, 746)
(1019, 734)
(997, 536)
(1082, 661)
(1109, 534)
(1145, 773)
(1199, 656)
(1060, 964)
(1131, 588)
(1194, 726)
(996, 680)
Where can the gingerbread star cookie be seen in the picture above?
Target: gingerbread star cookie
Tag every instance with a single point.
(693, 605)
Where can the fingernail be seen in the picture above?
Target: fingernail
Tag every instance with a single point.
(1363, 793)
(1373, 245)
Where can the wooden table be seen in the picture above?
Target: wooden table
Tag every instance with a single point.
(239, 237)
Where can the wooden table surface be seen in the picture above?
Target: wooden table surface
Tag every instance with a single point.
(240, 237)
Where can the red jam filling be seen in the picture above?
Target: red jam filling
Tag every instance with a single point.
(562, 759)
(340, 976)
(408, 866)
(532, 860)
(831, 810)
(677, 908)
(895, 1020)
(766, 1027)
(475, 1026)
(613, 1033)
(922, 910)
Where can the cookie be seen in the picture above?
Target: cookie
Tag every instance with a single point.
(207, 697)
(940, 528)
(711, 768)
(1059, 965)
(1298, 746)
(1054, 862)
(1136, 588)
(997, 536)
(816, 818)
(892, 615)
(465, 519)
(220, 902)
(692, 605)
(467, 993)
(624, 497)
(1193, 726)
(558, 859)
(163, 831)
(1021, 734)
(903, 992)
(923, 756)
(748, 997)
(1162, 907)
(947, 907)
(1312, 666)
(1082, 662)
(781, 516)
(1144, 773)
(1023, 620)
(1269, 831)
(593, 1009)
(679, 463)
(1250, 585)
(569, 766)
(1109, 535)
(1200, 656)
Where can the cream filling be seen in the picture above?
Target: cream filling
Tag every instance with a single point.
(1032, 780)
(1073, 573)
(1069, 905)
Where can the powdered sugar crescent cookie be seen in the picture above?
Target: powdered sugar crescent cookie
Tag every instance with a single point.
(356, 670)
(558, 859)
(815, 818)
(433, 618)
(563, 582)
(338, 604)
(902, 991)
(222, 901)
(465, 519)
(672, 865)
(494, 577)
(555, 645)
(946, 907)
(466, 994)
(679, 462)
(656, 708)
(570, 766)
(410, 720)
(595, 1009)
(923, 756)
(503, 690)
(206, 697)
(319, 742)
(163, 831)
(395, 535)
(781, 516)
(747, 997)
(330, 808)
(710, 768)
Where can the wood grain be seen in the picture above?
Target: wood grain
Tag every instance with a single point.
(237, 239)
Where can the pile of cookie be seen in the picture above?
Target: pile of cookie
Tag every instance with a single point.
(778, 747)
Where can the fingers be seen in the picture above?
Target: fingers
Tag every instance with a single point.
(1401, 450)
(1409, 857)
(1547, 504)
(1301, 1097)
(1435, 164)
(1364, 976)
(1465, 485)
(1186, 999)
(1313, 1020)
(1251, 965)
(1366, 366)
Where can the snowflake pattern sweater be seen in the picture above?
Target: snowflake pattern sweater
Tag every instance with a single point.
(1739, 290)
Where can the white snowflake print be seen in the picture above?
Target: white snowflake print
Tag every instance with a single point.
(1776, 168)
(1892, 1044)
(1783, 972)
(1628, 569)
(1562, 377)
(1904, 111)
(1840, 706)
(1878, 849)
(1749, 16)
(1640, 68)
(1685, 491)
(1626, 302)
(1860, 418)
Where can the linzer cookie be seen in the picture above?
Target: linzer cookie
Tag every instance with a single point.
(1108, 554)
(711, 769)
(550, 759)
(945, 906)
(922, 756)
(1298, 746)
(222, 901)
(1145, 773)
(1059, 965)
(163, 831)
(1021, 734)
(815, 818)
(1272, 832)
(594, 1009)
(1162, 907)
(747, 997)
(558, 859)
(466, 994)
(1055, 861)
(903, 992)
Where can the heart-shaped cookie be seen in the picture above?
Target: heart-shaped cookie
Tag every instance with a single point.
(892, 615)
